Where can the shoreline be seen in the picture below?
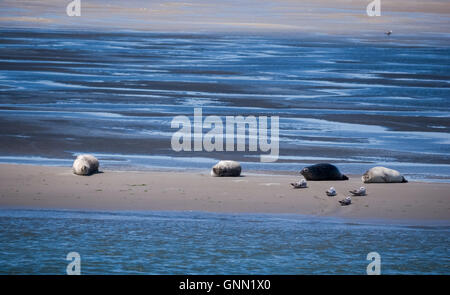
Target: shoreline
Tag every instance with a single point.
(361, 221)
(52, 187)
(67, 162)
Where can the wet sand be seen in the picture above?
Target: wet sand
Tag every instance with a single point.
(25, 186)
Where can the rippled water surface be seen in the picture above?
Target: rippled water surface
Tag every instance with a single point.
(354, 102)
(37, 242)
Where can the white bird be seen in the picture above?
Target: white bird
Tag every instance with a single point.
(345, 202)
(359, 192)
(388, 32)
(300, 184)
(331, 192)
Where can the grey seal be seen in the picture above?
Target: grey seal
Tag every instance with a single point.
(322, 171)
(85, 165)
(226, 168)
(382, 175)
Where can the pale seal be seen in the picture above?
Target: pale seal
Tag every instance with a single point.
(226, 168)
(85, 165)
(382, 175)
(322, 171)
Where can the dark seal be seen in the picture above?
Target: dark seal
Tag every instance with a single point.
(322, 171)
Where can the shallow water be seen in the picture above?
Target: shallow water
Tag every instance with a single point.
(354, 102)
(37, 242)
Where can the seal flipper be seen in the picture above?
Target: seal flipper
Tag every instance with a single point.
(404, 179)
(344, 177)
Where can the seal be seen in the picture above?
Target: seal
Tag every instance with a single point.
(322, 171)
(85, 165)
(226, 168)
(382, 175)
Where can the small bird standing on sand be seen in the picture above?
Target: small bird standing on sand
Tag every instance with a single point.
(359, 192)
(345, 202)
(300, 184)
(331, 192)
(388, 32)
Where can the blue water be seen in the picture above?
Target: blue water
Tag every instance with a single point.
(37, 242)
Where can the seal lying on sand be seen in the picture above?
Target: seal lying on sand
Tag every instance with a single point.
(323, 171)
(85, 165)
(226, 168)
(382, 175)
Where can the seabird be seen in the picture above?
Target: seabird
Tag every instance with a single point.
(331, 192)
(359, 192)
(300, 184)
